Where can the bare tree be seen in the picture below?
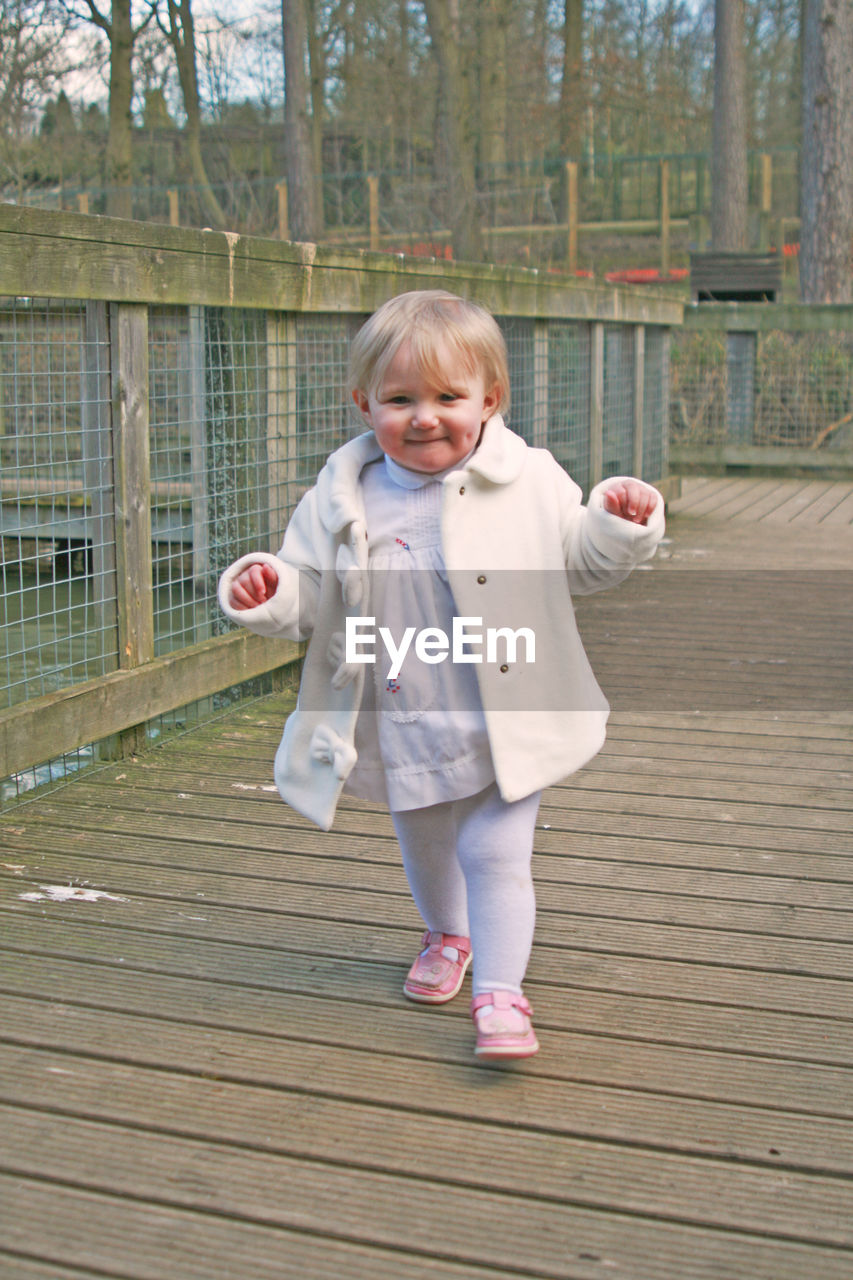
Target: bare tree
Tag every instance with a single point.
(826, 233)
(571, 81)
(456, 161)
(179, 30)
(493, 23)
(121, 36)
(299, 151)
(728, 158)
(31, 64)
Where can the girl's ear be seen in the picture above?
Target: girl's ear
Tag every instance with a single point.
(362, 403)
(492, 399)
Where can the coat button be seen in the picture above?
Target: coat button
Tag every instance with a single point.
(504, 668)
(481, 579)
(462, 488)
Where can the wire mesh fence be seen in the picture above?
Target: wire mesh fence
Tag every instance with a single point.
(774, 388)
(243, 407)
(520, 208)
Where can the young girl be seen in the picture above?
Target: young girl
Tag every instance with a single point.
(439, 522)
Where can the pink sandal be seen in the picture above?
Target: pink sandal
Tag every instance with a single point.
(501, 1032)
(435, 978)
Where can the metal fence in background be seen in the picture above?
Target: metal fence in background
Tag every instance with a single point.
(521, 208)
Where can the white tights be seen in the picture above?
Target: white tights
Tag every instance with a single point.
(468, 866)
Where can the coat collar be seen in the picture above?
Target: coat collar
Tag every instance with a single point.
(498, 459)
(501, 454)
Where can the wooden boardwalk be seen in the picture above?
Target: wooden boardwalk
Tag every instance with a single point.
(209, 1073)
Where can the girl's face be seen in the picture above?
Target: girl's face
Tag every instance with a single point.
(422, 425)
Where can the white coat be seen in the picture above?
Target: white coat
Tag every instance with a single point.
(512, 510)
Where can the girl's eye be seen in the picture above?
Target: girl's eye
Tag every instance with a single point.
(398, 400)
(448, 396)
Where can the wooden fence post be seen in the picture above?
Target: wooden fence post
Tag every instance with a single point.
(283, 217)
(174, 212)
(572, 216)
(97, 457)
(282, 457)
(132, 489)
(639, 397)
(193, 398)
(83, 201)
(596, 404)
(373, 209)
(664, 218)
(765, 207)
(540, 384)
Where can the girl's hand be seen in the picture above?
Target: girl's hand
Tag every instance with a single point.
(253, 586)
(630, 500)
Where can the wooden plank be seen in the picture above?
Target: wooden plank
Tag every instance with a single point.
(818, 512)
(784, 458)
(18, 1268)
(49, 254)
(814, 771)
(44, 727)
(770, 501)
(794, 317)
(771, 951)
(295, 883)
(365, 862)
(841, 516)
(345, 859)
(749, 497)
(92, 1230)
(710, 497)
(326, 1048)
(301, 1192)
(666, 1112)
(210, 1247)
(657, 1019)
(797, 503)
(254, 1115)
(729, 820)
(359, 830)
(133, 928)
(605, 774)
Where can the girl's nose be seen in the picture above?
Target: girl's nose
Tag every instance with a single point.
(425, 415)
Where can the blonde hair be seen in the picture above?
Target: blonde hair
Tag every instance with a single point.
(439, 327)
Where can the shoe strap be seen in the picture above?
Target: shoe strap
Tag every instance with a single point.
(502, 1000)
(438, 941)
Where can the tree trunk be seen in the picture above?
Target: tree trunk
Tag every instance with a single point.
(826, 197)
(181, 36)
(457, 171)
(317, 72)
(120, 138)
(493, 20)
(299, 152)
(728, 159)
(571, 84)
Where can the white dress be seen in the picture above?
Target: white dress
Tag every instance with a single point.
(432, 735)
